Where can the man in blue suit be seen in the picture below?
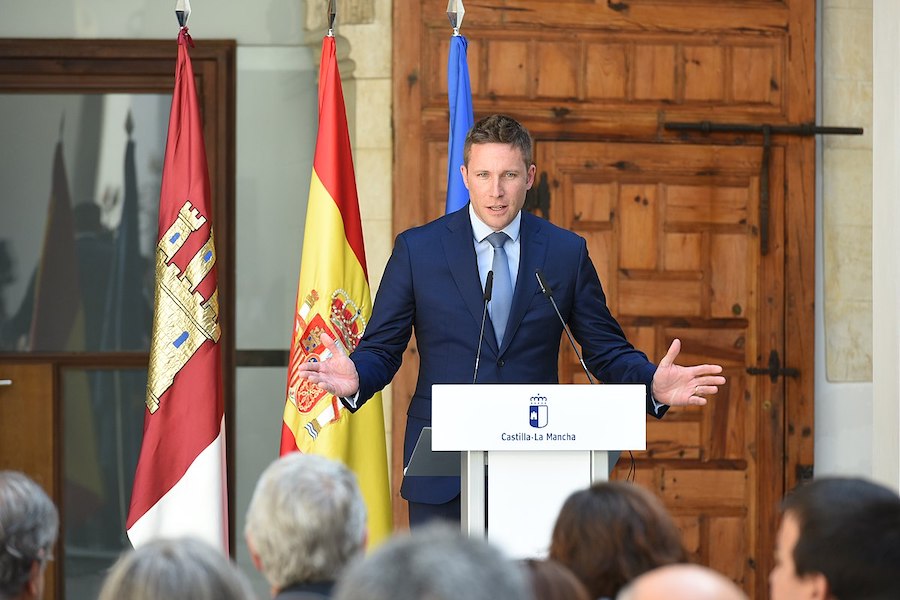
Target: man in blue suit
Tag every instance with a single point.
(434, 283)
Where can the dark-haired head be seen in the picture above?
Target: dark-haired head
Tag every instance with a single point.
(612, 532)
(840, 536)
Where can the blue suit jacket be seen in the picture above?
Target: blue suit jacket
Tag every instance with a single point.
(431, 284)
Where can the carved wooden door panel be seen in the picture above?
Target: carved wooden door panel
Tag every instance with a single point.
(674, 231)
(673, 219)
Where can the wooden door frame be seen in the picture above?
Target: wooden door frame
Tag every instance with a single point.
(70, 66)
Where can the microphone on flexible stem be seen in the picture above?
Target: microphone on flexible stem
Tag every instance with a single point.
(545, 288)
(488, 287)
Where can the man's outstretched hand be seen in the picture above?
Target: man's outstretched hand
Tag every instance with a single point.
(336, 375)
(684, 386)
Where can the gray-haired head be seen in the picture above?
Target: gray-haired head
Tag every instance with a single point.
(29, 524)
(175, 569)
(306, 520)
(435, 562)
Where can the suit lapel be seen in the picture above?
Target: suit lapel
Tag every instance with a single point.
(460, 252)
(532, 254)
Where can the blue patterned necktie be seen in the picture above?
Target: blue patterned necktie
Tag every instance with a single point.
(501, 298)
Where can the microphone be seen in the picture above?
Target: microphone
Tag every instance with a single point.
(488, 287)
(545, 288)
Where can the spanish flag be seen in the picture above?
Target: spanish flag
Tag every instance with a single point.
(180, 484)
(333, 297)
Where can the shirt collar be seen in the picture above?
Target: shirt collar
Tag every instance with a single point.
(480, 230)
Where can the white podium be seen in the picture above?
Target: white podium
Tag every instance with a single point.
(537, 443)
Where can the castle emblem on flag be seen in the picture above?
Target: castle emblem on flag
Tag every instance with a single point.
(187, 319)
(538, 412)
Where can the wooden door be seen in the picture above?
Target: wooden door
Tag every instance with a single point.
(28, 433)
(675, 238)
(673, 219)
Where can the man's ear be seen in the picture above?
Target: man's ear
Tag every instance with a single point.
(532, 170)
(465, 175)
(818, 586)
(254, 555)
(35, 583)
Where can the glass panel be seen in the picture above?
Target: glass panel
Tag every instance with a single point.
(102, 422)
(80, 191)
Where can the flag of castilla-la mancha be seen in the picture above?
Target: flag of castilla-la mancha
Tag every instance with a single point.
(180, 484)
(333, 297)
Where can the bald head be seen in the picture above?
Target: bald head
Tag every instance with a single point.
(682, 582)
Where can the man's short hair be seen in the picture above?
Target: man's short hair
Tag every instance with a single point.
(500, 129)
(850, 533)
(306, 520)
(175, 569)
(435, 562)
(29, 524)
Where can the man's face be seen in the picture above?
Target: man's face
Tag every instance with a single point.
(497, 179)
(784, 583)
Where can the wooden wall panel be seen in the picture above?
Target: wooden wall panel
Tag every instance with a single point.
(557, 69)
(704, 73)
(654, 72)
(637, 227)
(507, 72)
(606, 71)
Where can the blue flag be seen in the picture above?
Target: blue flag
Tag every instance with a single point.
(459, 92)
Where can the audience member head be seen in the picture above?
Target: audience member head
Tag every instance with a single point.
(839, 538)
(435, 562)
(306, 520)
(553, 581)
(175, 569)
(29, 524)
(682, 582)
(499, 129)
(610, 533)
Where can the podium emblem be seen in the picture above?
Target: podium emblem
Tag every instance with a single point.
(538, 412)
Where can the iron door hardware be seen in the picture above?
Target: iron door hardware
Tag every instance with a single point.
(767, 130)
(774, 370)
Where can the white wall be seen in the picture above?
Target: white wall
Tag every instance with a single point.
(843, 403)
(884, 446)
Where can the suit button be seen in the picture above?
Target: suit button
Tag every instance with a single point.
(501, 362)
